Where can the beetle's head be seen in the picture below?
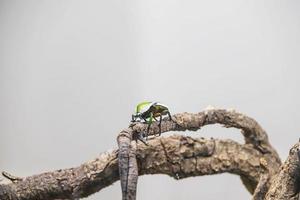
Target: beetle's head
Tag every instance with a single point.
(136, 117)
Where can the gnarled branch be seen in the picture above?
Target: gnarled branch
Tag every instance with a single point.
(254, 136)
(256, 162)
(176, 156)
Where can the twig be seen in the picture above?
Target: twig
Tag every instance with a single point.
(12, 178)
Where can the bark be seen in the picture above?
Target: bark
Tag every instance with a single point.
(177, 156)
(256, 162)
(286, 184)
(254, 136)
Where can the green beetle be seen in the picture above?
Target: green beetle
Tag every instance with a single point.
(148, 111)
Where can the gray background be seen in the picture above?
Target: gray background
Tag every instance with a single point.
(71, 73)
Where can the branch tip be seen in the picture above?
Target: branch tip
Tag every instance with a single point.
(11, 177)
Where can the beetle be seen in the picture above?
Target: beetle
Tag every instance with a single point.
(148, 111)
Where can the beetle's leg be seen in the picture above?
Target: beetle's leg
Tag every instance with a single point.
(136, 139)
(149, 123)
(159, 124)
(169, 114)
(144, 119)
(141, 138)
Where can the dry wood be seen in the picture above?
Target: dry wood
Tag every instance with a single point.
(256, 162)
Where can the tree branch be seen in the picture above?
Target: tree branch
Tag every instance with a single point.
(251, 130)
(176, 156)
(286, 184)
(254, 136)
(256, 162)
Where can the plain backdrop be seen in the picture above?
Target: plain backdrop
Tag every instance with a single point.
(71, 73)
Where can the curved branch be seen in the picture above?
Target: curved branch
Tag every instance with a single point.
(176, 156)
(253, 133)
(251, 130)
(182, 157)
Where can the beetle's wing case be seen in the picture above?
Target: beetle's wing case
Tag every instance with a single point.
(161, 105)
(143, 107)
(147, 107)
